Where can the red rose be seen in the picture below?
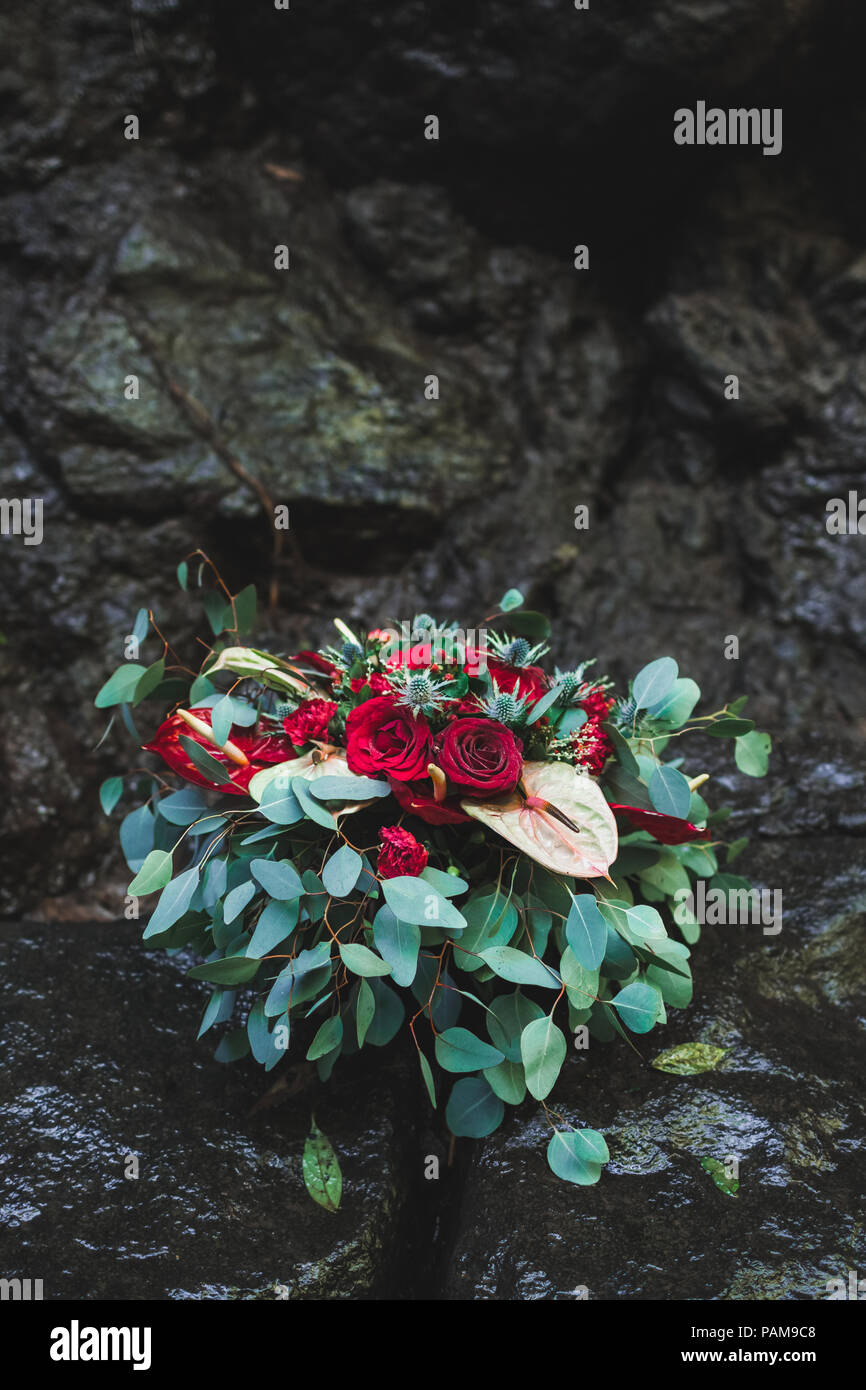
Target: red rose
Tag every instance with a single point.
(259, 749)
(309, 721)
(400, 853)
(668, 830)
(480, 756)
(376, 681)
(425, 806)
(526, 682)
(382, 736)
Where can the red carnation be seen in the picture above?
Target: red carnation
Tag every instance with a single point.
(383, 737)
(480, 756)
(526, 682)
(309, 721)
(596, 704)
(400, 853)
(259, 749)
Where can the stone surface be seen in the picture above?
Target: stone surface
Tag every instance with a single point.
(101, 1064)
(786, 1102)
(558, 388)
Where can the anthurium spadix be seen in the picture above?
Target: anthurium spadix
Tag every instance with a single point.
(558, 817)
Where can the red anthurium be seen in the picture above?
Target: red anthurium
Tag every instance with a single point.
(424, 804)
(668, 830)
(259, 750)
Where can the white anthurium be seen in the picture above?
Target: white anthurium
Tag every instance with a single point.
(323, 761)
(261, 666)
(563, 821)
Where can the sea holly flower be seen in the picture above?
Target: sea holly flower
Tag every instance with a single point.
(502, 706)
(419, 690)
(517, 651)
(400, 853)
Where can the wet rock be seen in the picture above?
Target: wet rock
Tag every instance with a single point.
(102, 1068)
(785, 1103)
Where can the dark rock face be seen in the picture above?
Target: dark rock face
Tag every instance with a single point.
(786, 1103)
(411, 258)
(216, 1207)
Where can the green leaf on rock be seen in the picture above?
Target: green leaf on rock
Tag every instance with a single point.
(322, 1177)
(689, 1059)
(717, 1172)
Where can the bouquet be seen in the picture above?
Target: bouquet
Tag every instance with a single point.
(423, 828)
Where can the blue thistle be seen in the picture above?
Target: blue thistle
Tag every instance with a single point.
(420, 691)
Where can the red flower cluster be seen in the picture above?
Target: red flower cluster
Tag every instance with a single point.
(524, 682)
(309, 721)
(400, 853)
